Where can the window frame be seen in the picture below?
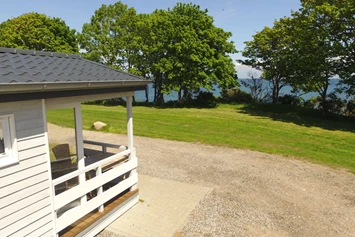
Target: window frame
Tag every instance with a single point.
(10, 142)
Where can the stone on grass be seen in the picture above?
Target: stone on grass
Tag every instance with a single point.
(99, 125)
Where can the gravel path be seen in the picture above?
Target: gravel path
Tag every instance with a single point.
(255, 194)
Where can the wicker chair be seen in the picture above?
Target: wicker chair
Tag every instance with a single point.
(64, 164)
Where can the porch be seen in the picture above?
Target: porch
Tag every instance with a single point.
(98, 186)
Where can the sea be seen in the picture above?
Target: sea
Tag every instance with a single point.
(140, 95)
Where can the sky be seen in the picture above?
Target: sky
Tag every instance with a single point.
(241, 17)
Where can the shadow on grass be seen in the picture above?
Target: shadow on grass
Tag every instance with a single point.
(167, 105)
(175, 104)
(301, 116)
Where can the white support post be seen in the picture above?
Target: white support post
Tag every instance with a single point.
(79, 145)
(129, 122)
(51, 186)
(130, 135)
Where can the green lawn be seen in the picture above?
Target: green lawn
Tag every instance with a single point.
(317, 140)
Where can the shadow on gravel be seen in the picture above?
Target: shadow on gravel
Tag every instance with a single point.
(300, 116)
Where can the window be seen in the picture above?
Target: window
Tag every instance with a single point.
(8, 154)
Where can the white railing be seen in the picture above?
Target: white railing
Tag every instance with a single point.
(104, 145)
(76, 173)
(97, 182)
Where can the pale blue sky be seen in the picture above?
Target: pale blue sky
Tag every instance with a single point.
(241, 17)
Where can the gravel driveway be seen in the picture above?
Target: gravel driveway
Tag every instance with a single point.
(255, 194)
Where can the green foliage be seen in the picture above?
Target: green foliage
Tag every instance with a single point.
(38, 32)
(344, 33)
(236, 95)
(275, 129)
(197, 55)
(350, 107)
(109, 38)
(312, 51)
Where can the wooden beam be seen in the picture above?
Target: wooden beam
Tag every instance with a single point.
(69, 102)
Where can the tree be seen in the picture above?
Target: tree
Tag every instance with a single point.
(343, 29)
(198, 52)
(118, 37)
(256, 86)
(112, 37)
(267, 52)
(334, 25)
(153, 43)
(38, 32)
(313, 50)
(109, 36)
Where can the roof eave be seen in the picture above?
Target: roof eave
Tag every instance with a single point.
(11, 88)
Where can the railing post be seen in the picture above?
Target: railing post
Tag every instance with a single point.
(79, 145)
(99, 189)
(104, 148)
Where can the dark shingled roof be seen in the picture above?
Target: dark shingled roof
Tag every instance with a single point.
(28, 66)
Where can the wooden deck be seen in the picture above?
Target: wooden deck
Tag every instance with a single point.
(95, 217)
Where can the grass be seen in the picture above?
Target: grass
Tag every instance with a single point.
(248, 127)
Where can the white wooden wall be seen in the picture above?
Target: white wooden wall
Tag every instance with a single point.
(26, 207)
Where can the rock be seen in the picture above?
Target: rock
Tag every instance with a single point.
(99, 125)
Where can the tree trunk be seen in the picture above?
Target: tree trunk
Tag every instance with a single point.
(324, 98)
(186, 93)
(179, 95)
(146, 94)
(160, 98)
(155, 92)
(275, 91)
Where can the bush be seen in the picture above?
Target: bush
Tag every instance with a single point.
(108, 102)
(203, 99)
(333, 104)
(290, 100)
(205, 96)
(312, 103)
(236, 95)
(350, 107)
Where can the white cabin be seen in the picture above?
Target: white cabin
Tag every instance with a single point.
(70, 196)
